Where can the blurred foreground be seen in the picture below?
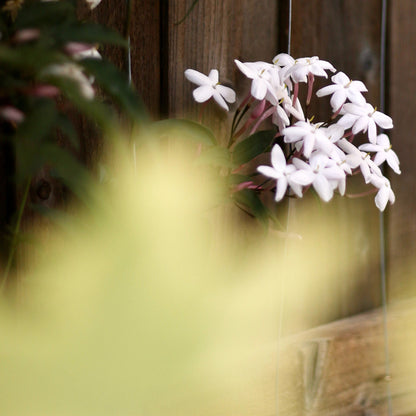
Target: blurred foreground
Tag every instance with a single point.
(159, 300)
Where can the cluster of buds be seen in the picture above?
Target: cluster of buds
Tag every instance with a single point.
(319, 154)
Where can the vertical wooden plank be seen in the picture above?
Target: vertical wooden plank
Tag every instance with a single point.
(402, 216)
(145, 52)
(346, 33)
(213, 35)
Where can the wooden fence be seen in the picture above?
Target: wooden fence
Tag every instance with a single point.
(348, 34)
(345, 32)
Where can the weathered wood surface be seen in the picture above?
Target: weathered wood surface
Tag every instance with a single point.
(338, 369)
(342, 366)
(213, 35)
(402, 93)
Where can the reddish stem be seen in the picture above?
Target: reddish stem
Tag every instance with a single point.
(311, 79)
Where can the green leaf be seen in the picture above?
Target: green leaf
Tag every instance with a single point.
(216, 156)
(88, 33)
(93, 109)
(253, 146)
(185, 129)
(45, 14)
(235, 179)
(116, 84)
(68, 169)
(68, 130)
(249, 199)
(29, 58)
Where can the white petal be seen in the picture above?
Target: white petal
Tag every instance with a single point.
(380, 158)
(393, 161)
(213, 76)
(197, 77)
(302, 177)
(278, 158)
(359, 86)
(355, 96)
(202, 94)
(308, 144)
(219, 100)
(249, 73)
(361, 124)
(281, 188)
(382, 198)
(269, 172)
(330, 89)
(258, 88)
(323, 187)
(383, 140)
(339, 97)
(372, 131)
(383, 120)
(340, 79)
(347, 120)
(369, 147)
(227, 93)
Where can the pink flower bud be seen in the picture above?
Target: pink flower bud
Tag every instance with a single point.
(26, 35)
(11, 113)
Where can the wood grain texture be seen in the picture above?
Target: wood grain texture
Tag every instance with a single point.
(402, 93)
(213, 35)
(339, 368)
(346, 33)
(336, 369)
(145, 52)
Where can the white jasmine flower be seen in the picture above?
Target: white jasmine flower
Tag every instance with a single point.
(384, 152)
(73, 72)
(284, 62)
(385, 193)
(283, 174)
(356, 158)
(343, 89)
(362, 118)
(259, 72)
(209, 86)
(323, 177)
(303, 66)
(311, 136)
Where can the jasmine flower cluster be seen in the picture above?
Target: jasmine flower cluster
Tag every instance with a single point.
(321, 154)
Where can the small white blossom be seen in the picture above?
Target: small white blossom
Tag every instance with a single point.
(303, 66)
(322, 174)
(343, 89)
(310, 135)
(209, 86)
(384, 152)
(362, 118)
(384, 194)
(73, 72)
(259, 72)
(356, 158)
(283, 174)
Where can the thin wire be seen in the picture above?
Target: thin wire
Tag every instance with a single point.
(289, 35)
(283, 279)
(381, 215)
(129, 70)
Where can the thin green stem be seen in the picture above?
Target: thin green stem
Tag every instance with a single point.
(16, 230)
(235, 125)
(188, 12)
